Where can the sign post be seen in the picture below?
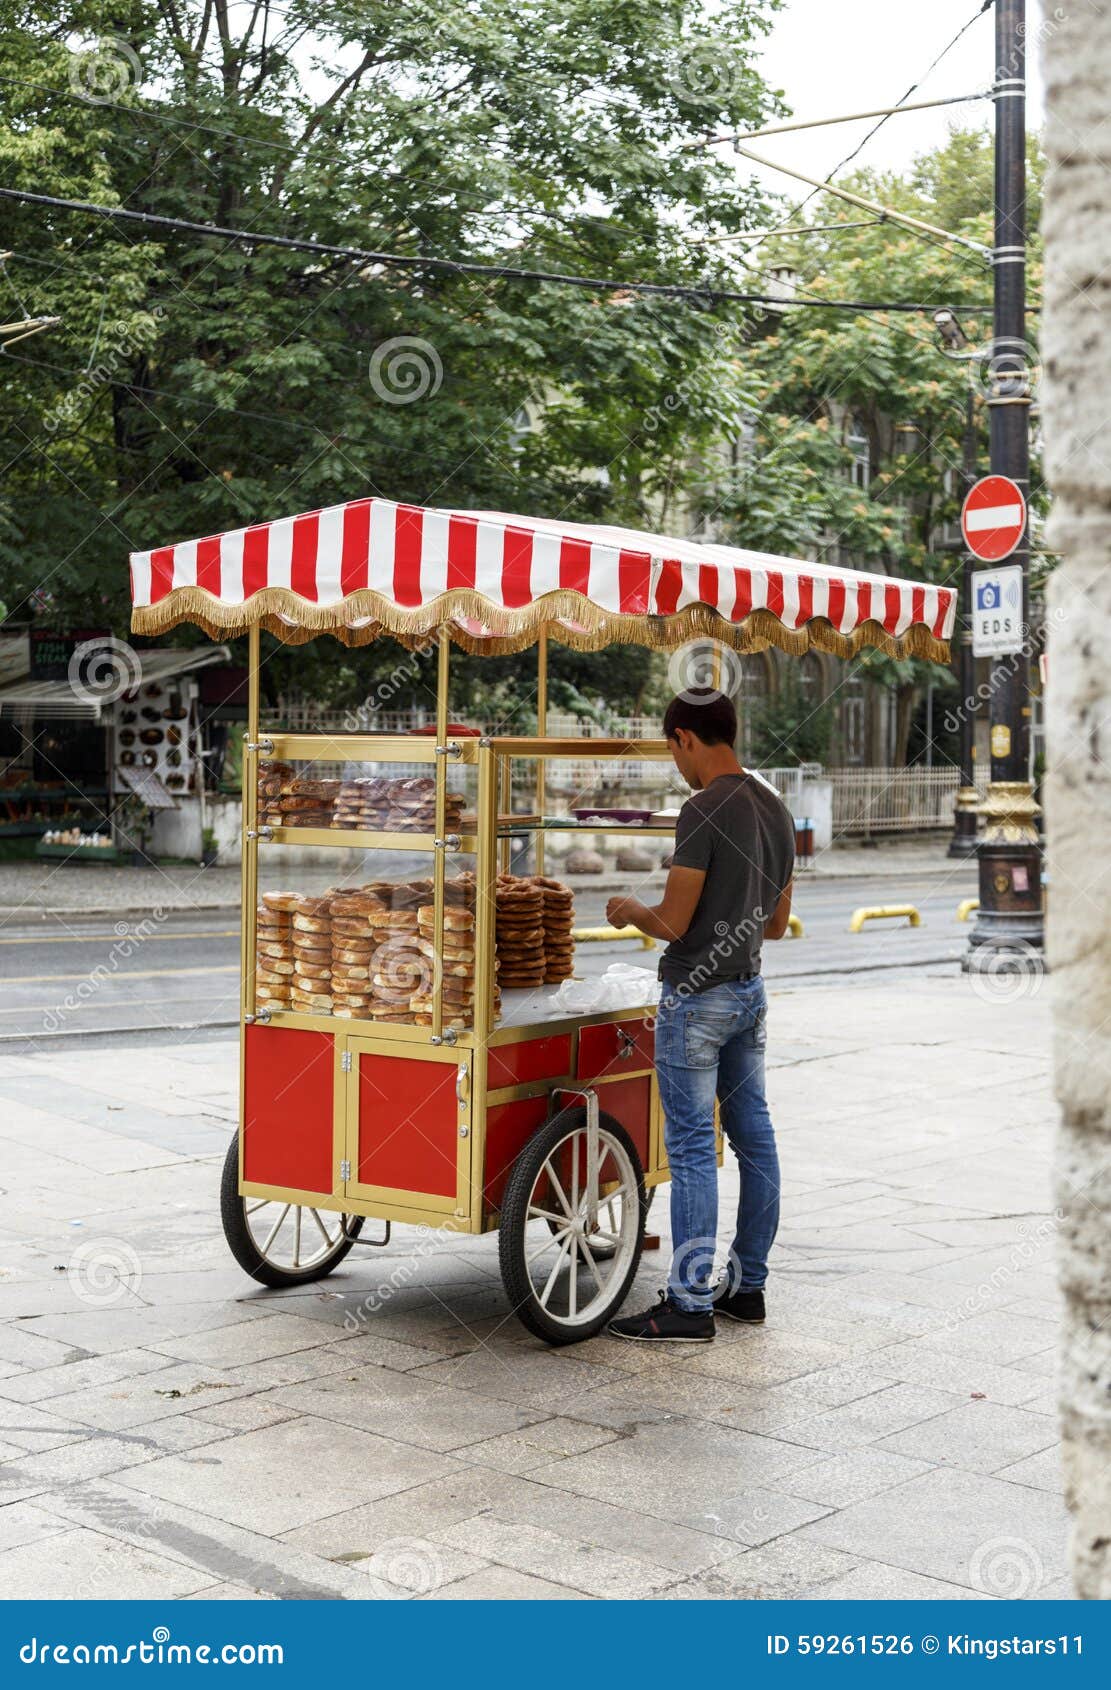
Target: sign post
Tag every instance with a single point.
(1009, 930)
(993, 518)
(997, 611)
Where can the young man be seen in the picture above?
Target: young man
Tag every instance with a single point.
(729, 888)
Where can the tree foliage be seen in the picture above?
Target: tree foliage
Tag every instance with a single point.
(195, 384)
(815, 378)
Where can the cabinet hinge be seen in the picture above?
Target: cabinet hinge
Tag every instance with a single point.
(345, 1062)
(345, 1170)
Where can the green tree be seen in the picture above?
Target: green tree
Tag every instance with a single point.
(787, 729)
(196, 384)
(830, 391)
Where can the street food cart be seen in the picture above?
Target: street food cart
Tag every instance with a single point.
(407, 1054)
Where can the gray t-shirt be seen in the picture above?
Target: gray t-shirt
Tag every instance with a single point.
(742, 834)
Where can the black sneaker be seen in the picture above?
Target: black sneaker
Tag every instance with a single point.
(665, 1324)
(746, 1307)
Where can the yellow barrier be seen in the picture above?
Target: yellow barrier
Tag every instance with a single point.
(794, 927)
(966, 907)
(884, 912)
(587, 933)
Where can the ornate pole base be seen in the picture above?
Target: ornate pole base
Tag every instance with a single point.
(966, 823)
(1009, 931)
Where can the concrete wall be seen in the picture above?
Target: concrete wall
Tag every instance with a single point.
(1076, 353)
(177, 833)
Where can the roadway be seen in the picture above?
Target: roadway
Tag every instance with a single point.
(64, 978)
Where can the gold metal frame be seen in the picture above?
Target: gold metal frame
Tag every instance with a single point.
(467, 1049)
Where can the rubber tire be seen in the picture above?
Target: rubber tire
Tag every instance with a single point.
(243, 1247)
(513, 1225)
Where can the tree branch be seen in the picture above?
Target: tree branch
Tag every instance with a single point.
(350, 82)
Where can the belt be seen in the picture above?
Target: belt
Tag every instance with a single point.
(726, 980)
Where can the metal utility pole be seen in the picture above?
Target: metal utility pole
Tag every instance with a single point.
(966, 810)
(1010, 913)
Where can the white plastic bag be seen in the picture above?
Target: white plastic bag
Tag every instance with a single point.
(621, 987)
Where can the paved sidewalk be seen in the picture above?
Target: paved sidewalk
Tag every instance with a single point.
(32, 889)
(168, 1429)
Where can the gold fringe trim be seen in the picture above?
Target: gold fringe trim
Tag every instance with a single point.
(513, 630)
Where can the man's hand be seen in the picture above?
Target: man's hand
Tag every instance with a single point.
(619, 912)
(671, 917)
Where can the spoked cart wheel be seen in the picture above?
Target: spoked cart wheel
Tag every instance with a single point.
(602, 1251)
(572, 1226)
(277, 1243)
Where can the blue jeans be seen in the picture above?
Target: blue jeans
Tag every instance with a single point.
(711, 1044)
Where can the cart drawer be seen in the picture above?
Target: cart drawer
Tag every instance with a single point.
(548, 1058)
(614, 1047)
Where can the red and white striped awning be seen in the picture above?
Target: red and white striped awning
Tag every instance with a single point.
(497, 582)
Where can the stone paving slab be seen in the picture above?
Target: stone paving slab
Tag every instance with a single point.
(90, 1565)
(960, 1527)
(890, 1433)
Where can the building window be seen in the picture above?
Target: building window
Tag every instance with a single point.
(854, 737)
(751, 698)
(860, 469)
(810, 680)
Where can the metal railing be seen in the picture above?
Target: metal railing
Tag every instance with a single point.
(869, 801)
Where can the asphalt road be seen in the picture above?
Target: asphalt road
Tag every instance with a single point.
(63, 978)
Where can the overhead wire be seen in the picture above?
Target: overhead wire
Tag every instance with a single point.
(705, 294)
(876, 127)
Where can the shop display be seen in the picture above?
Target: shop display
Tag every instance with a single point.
(364, 804)
(368, 952)
(74, 836)
(145, 737)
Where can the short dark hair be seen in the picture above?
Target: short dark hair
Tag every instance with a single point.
(706, 713)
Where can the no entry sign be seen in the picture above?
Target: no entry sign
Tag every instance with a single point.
(993, 518)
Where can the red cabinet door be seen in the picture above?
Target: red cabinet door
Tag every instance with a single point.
(407, 1114)
(289, 1109)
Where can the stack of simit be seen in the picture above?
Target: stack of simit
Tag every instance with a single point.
(307, 802)
(558, 920)
(312, 955)
(400, 969)
(353, 948)
(271, 779)
(274, 951)
(363, 804)
(519, 933)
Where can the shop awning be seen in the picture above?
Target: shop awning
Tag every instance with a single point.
(496, 582)
(56, 700)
